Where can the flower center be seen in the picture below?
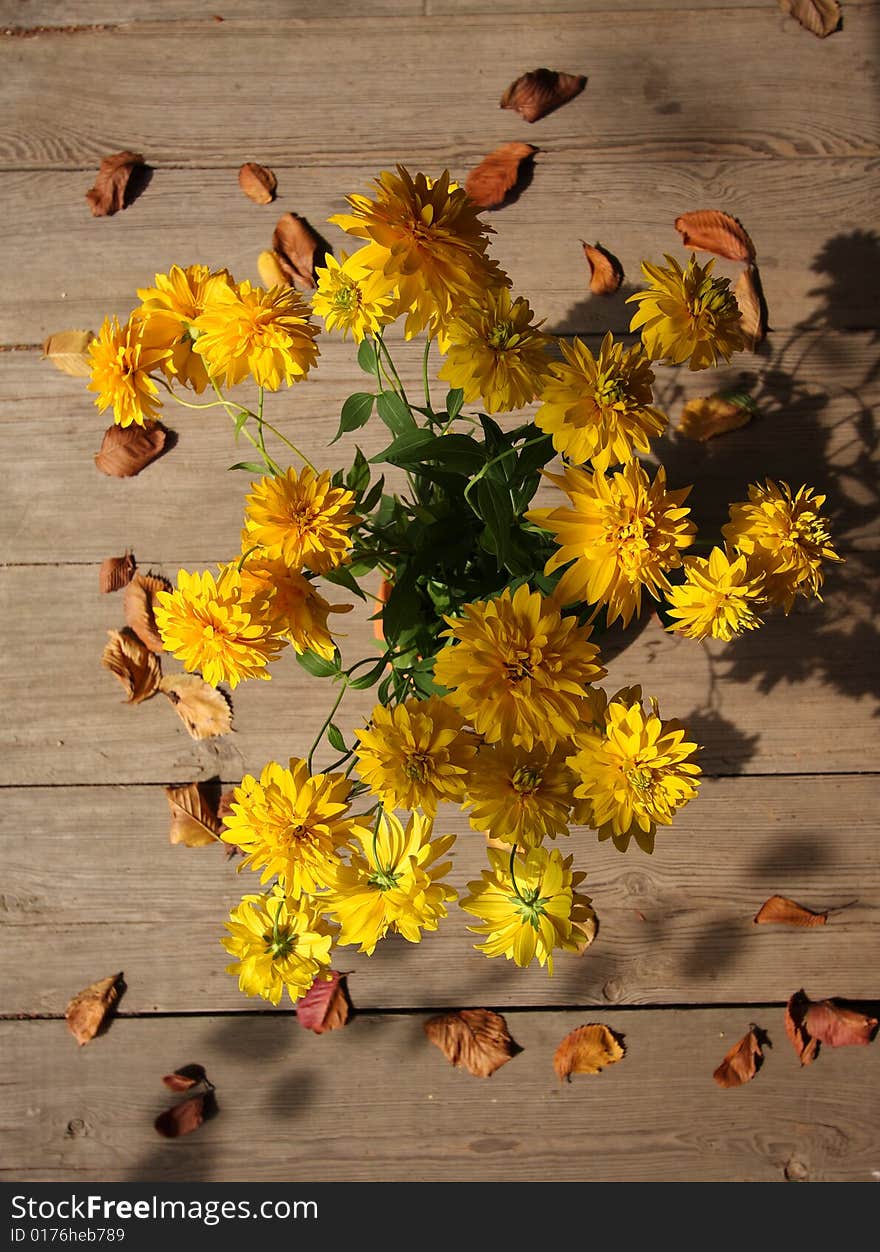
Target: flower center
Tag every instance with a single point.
(417, 766)
(640, 779)
(530, 905)
(294, 834)
(279, 942)
(809, 528)
(609, 391)
(502, 335)
(526, 780)
(347, 298)
(383, 879)
(518, 668)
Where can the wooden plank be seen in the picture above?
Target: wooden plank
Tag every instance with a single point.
(24, 17)
(684, 99)
(814, 264)
(672, 8)
(377, 1102)
(89, 872)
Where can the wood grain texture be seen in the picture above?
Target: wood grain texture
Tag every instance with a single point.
(89, 871)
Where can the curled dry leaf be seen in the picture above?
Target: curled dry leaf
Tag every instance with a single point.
(295, 245)
(820, 17)
(116, 572)
(204, 710)
(68, 350)
(810, 1023)
(326, 1005)
(474, 1039)
(795, 1027)
(270, 271)
(710, 230)
(257, 182)
(752, 306)
(742, 1062)
(497, 174)
(788, 913)
(606, 272)
(125, 451)
(185, 1078)
(539, 92)
(706, 417)
(109, 193)
(136, 667)
(194, 821)
(138, 602)
(587, 1050)
(183, 1118)
(87, 1011)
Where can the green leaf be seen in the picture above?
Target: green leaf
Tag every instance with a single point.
(394, 413)
(317, 666)
(252, 467)
(408, 446)
(355, 413)
(371, 676)
(454, 401)
(496, 511)
(535, 456)
(402, 609)
(358, 477)
(240, 419)
(741, 399)
(342, 576)
(371, 499)
(496, 440)
(366, 357)
(335, 739)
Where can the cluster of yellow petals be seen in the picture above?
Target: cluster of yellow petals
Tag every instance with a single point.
(495, 353)
(122, 360)
(352, 297)
(718, 598)
(301, 518)
(278, 944)
(687, 315)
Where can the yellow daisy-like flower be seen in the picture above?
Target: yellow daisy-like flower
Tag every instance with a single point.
(277, 943)
(300, 518)
(496, 353)
(687, 315)
(245, 330)
(637, 775)
(518, 668)
(296, 608)
(212, 627)
(621, 534)
(785, 539)
(353, 297)
(718, 599)
(599, 409)
(292, 823)
(520, 797)
(392, 884)
(122, 359)
(531, 917)
(170, 309)
(415, 756)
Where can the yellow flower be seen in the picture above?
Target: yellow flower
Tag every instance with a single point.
(637, 774)
(353, 297)
(537, 914)
(496, 353)
(295, 607)
(621, 534)
(687, 315)
(415, 755)
(276, 943)
(599, 409)
(245, 330)
(122, 359)
(520, 797)
(518, 668)
(292, 824)
(785, 539)
(170, 309)
(718, 599)
(212, 627)
(300, 518)
(393, 884)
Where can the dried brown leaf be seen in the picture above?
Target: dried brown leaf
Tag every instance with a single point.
(474, 1039)
(183, 1118)
(752, 306)
(606, 272)
(742, 1062)
(68, 350)
(270, 271)
(710, 230)
(116, 572)
(539, 92)
(88, 1010)
(587, 1050)
(706, 417)
(257, 182)
(837, 1026)
(795, 1027)
(326, 1005)
(125, 451)
(194, 821)
(204, 710)
(224, 808)
(788, 913)
(136, 667)
(138, 602)
(185, 1078)
(109, 193)
(820, 17)
(295, 244)
(497, 174)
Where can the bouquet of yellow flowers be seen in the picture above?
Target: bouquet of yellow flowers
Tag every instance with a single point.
(487, 668)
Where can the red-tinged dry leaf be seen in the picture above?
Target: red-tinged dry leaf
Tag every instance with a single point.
(497, 174)
(257, 183)
(788, 913)
(138, 602)
(125, 451)
(539, 92)
(87, 1011)
(706, 417)
(68, 350)
(136, 667)
(587, 1050)
(204, 710)
(473, 1039)
(109, 193)
(116, 572)
(710, 230)
(326, 1005)
(295, 244)
(183, 1118)
(185, 1078)
(795, 1027)
(270, 271)
(194, 821)
(820, 17)
(606, 272)
(752, 306)
(837, 1026)
(742, 1062)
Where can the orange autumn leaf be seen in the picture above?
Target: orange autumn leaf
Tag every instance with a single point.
(606, 272)
(752, 306)
(116, 572)
(204, 710)
(113, 185)
(137, 668)
(185, 1078)
(138, 602)
(706, 417)
(788, 913)
(125, 451)
(473, 1039)
(68, 350)
(270, 271)
(183, 1118)
(88, 1010)
(810, 1023)
(497, 174)
(194, 821)
(257, 182)
(539, 92)
(326, 1005)
(295, 245)
(587, 1050)
(710, 230)
(819, 17)
(742, 1062)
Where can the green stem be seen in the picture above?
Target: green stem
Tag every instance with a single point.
(481, 473)
(516, 889)
(327, 721)
(278, 435)
(400, 387)
(380, 808)
(428, 405)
